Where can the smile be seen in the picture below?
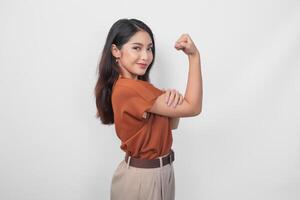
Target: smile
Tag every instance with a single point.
(142, 65)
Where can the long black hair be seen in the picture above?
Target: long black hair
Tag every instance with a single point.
(108, 69)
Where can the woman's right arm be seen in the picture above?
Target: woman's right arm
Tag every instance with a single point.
(192, 103)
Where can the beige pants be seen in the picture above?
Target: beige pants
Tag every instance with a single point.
(131, 183)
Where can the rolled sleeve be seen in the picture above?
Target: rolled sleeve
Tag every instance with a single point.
(136, 101)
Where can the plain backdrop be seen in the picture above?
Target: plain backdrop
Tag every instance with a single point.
(244, 145)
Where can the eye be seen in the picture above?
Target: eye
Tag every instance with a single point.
(151, 49)
(136, 48)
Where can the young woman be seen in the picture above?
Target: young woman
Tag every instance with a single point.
(143, 114)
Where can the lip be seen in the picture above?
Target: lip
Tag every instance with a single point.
(142, 65)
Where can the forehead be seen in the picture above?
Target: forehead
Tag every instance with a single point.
(140, 37)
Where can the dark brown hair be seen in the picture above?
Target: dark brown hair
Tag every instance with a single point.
(108, 70)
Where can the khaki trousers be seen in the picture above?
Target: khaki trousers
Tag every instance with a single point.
(131, 183)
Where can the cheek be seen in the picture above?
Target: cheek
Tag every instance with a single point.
(127, 58)
(131, 55)
(150, 57)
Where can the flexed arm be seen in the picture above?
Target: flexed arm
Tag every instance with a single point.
(192, 102)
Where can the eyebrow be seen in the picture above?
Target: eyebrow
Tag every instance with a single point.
(142, 44)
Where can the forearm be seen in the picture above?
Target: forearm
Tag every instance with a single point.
(193, 92)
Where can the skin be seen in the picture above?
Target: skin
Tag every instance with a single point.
(139, 50)
(128, 57)
(192, 103)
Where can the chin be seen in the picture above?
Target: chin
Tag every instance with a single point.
(141, 73)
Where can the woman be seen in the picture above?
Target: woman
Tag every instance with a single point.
(143, 114)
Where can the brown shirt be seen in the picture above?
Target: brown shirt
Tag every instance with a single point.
(142, 135)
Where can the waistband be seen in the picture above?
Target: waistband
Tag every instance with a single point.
(150, 163)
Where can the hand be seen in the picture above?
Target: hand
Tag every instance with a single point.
(186, 44)
(173, 97)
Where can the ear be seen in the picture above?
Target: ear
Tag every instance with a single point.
(115, 51)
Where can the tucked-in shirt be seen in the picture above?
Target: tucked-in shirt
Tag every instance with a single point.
(143, 134)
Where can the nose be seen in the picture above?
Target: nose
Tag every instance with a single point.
(144, 55)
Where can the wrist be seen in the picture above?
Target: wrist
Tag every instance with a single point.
(196, 54)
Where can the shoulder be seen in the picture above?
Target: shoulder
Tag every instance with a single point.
(129, 87)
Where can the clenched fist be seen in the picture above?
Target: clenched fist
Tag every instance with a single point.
(186, 44)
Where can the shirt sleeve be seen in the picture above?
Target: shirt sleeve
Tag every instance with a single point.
(136, 101)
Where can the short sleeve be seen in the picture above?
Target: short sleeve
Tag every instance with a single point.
(135, 101)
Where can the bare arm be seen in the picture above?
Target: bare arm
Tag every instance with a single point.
(192, 103)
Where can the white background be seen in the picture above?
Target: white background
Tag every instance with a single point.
(244, 145)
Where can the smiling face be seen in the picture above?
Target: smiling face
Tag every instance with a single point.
(135, 56)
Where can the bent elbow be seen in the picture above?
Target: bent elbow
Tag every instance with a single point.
(197, 111)
(193, 111)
